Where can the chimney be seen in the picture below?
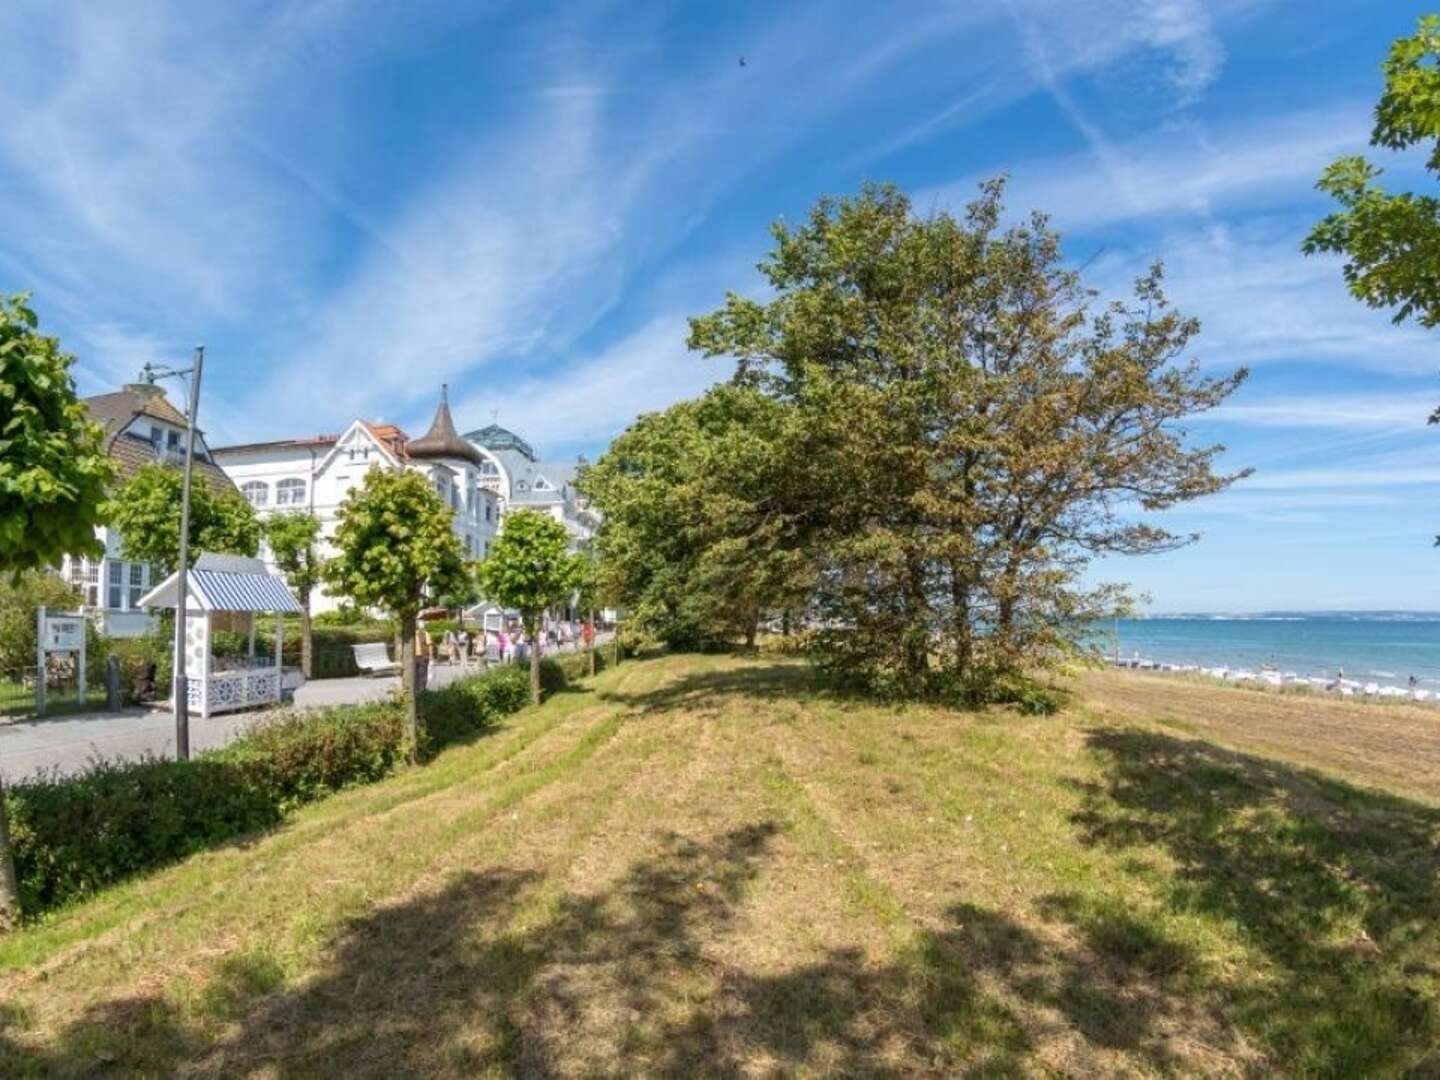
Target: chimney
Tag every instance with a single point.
(148, 391)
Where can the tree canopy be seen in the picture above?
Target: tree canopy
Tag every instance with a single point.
(1391, 240)
(529, 568)
(145, 509)
(53, 469)
(394, 544)
(53, 475)
(933, 429)
(293, 538)
(700, 537)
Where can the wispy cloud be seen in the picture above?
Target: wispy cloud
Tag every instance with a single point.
(599, 395)
(1185, 172)
(1388, 413)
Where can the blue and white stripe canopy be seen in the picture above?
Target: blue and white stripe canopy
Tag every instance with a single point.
(226, 583)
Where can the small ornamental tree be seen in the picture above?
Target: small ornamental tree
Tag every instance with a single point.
(531, 569)
(293, 541)
(395, 542)
(146, 511)
(53, 473)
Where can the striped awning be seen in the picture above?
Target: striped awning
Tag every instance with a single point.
(226, 583)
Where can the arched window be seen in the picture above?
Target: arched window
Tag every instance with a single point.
(290, 492)
(257, 492)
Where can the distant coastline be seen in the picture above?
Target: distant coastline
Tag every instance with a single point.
(1380, 648)
(1296, 616)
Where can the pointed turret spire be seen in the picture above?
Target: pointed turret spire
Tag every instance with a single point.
(442, 440)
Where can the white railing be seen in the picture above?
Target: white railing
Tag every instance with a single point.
(226, 690)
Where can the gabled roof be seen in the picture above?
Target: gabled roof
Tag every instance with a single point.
(442, 440)
(389, 438)
(115, 412)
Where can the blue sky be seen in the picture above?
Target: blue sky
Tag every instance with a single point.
(350, 203)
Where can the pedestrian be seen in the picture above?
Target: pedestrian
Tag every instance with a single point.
(1414, 682)
(502, 642)
(463, 640)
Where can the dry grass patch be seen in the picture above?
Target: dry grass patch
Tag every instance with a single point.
(708, 866)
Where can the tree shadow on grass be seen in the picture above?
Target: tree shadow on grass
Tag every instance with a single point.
(768, 682)
(1335, 891)
(493, 974)
(498, 971)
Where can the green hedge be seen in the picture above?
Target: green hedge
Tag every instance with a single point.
(468, 706)
(74, 835)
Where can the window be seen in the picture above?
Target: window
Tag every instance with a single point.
(137, 584)
(520, 485)
(115, 576)
(290, 492)
(172, 439)
(256, 492)
(84, 576)
(487, 511)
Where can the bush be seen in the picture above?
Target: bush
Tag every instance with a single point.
(300, 757)
(346, 615)
(74, 835)
(468, 706)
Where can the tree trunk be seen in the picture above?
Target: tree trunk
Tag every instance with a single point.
(9, 889)
(407, 683)
(785, 622)
(531, 628)
(307, 660)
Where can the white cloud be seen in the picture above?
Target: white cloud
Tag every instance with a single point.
(1179, 172)
(1260, 300)
(1387, 413)
(599, 395)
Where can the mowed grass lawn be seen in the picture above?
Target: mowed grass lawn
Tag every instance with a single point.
(701, 866)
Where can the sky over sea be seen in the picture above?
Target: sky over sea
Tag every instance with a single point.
(350, 203)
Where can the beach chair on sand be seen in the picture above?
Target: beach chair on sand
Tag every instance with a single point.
(372, 659)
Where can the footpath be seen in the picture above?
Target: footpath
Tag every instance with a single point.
(68, 744)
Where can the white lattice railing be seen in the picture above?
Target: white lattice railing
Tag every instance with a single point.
(226, 690)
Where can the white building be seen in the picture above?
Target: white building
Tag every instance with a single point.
(141, 428)
(316, 474)
(521, 480)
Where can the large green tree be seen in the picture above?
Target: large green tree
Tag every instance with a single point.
(53, 474)
(1391, 240)
(529, 568)
(294, 538)
(145, 509)
(703, 528)
(971, 431)
(395, 543)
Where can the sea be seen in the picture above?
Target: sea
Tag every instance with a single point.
(1384, 647)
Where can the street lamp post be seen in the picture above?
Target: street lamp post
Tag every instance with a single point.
(181, 685)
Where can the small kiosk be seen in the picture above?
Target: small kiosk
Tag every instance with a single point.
(219, 584)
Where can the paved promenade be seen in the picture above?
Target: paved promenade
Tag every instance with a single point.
(67, 744)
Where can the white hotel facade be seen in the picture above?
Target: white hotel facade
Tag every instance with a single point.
(317, 474)
(481, 476)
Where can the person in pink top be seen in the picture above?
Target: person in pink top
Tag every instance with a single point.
(502, 643)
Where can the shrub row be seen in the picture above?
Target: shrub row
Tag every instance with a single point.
(74, 835)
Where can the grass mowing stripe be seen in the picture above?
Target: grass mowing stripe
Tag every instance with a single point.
(133, 904)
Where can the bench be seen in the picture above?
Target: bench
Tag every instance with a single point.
(372, 659)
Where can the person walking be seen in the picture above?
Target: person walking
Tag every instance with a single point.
(462, 641)
(502, 642)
